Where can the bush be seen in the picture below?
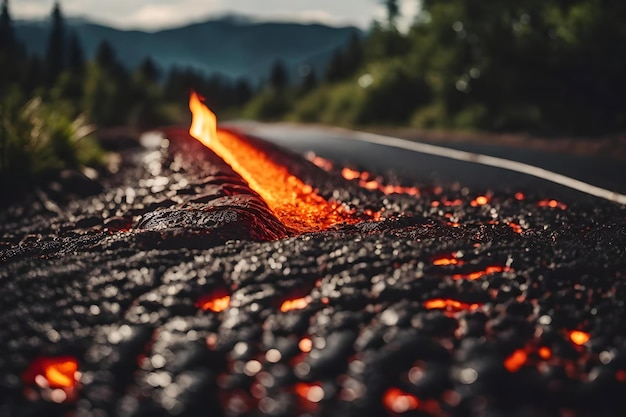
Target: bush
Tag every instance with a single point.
(37, 141)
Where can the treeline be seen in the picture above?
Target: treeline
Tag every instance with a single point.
(543, 66)
(103, 88)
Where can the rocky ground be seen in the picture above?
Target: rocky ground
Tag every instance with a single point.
(172, 289)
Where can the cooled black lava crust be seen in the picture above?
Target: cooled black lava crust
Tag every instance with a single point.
(113, 280)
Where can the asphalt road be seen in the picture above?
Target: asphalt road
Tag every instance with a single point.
(347, 147)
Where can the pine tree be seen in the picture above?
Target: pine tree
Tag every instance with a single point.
(279, 79)
(393, 12)
(76, 56)
(11, 51)
(149, 70)
(56, 52)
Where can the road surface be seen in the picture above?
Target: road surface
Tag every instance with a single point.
(349, 147)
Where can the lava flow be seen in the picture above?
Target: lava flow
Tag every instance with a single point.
(295, 203)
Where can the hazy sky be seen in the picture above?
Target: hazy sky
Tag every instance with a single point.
(155, 14)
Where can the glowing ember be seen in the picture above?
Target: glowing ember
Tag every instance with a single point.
(291, 200)
(552, 204)
(59, 372)
(295, 304)
(215, 302)
(472, 276)
(519, 196)
(451, 260)
(310, 392)
(449, 305)
(365, 181)
(579, 337)
(320, 162)
(398, 401)
(517, 359)
(545, 352)
(481, 200)
(516, 228)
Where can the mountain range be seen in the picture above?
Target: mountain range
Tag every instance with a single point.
(231, 46)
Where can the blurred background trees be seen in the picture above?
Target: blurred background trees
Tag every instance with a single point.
(538, 66)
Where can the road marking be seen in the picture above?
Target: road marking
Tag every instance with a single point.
(492, 161)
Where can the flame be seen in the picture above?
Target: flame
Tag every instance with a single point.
(295, 304)
(292, 201)
(516, 360)
(579, 337)
(216, 302)
(472, 276)
(398, 401)
(59, 372)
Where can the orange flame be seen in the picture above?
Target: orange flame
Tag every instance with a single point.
(444, 261)
(516, 360)
(545, 352)
(292, 201)
(398, 401)
(215, 302)
(579, 337)
(295, 304)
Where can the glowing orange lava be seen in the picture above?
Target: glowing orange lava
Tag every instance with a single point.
(322, 163)
(481, 200)
(472, 276)
(516, 228)
(516, 360)
(579, 337)
(451, 260)
(365, 181)
(552, 204)
(449, 305)
(295, 304)
(545, 353)
(294, 203)
(398, 401)
(215, 302)
(57, 372)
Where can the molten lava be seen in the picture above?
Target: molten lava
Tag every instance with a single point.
(472, 276)
(57, 372)
(369, 183)
(216, 302)
(295, 304)
(579, 337)
(447, 304)
(295, 203)
(516, 360)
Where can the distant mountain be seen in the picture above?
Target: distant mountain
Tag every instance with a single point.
(231, 46)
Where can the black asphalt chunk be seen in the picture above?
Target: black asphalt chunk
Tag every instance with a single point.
(175, 291)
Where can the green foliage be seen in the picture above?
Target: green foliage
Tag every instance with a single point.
(37, 140)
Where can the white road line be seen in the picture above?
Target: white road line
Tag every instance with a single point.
(489, 161)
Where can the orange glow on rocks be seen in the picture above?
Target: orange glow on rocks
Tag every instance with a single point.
(295, 203)
(545, 353)
(216, 302)
(447, 260)
(481, 200)
(365, 181)
(398, 401)
(59, 372)
(516, 228)
(449, 305)
(552, 204)
(310, 392)
(472, 276)
(295, 304)
(579, 337)
(515, 362)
